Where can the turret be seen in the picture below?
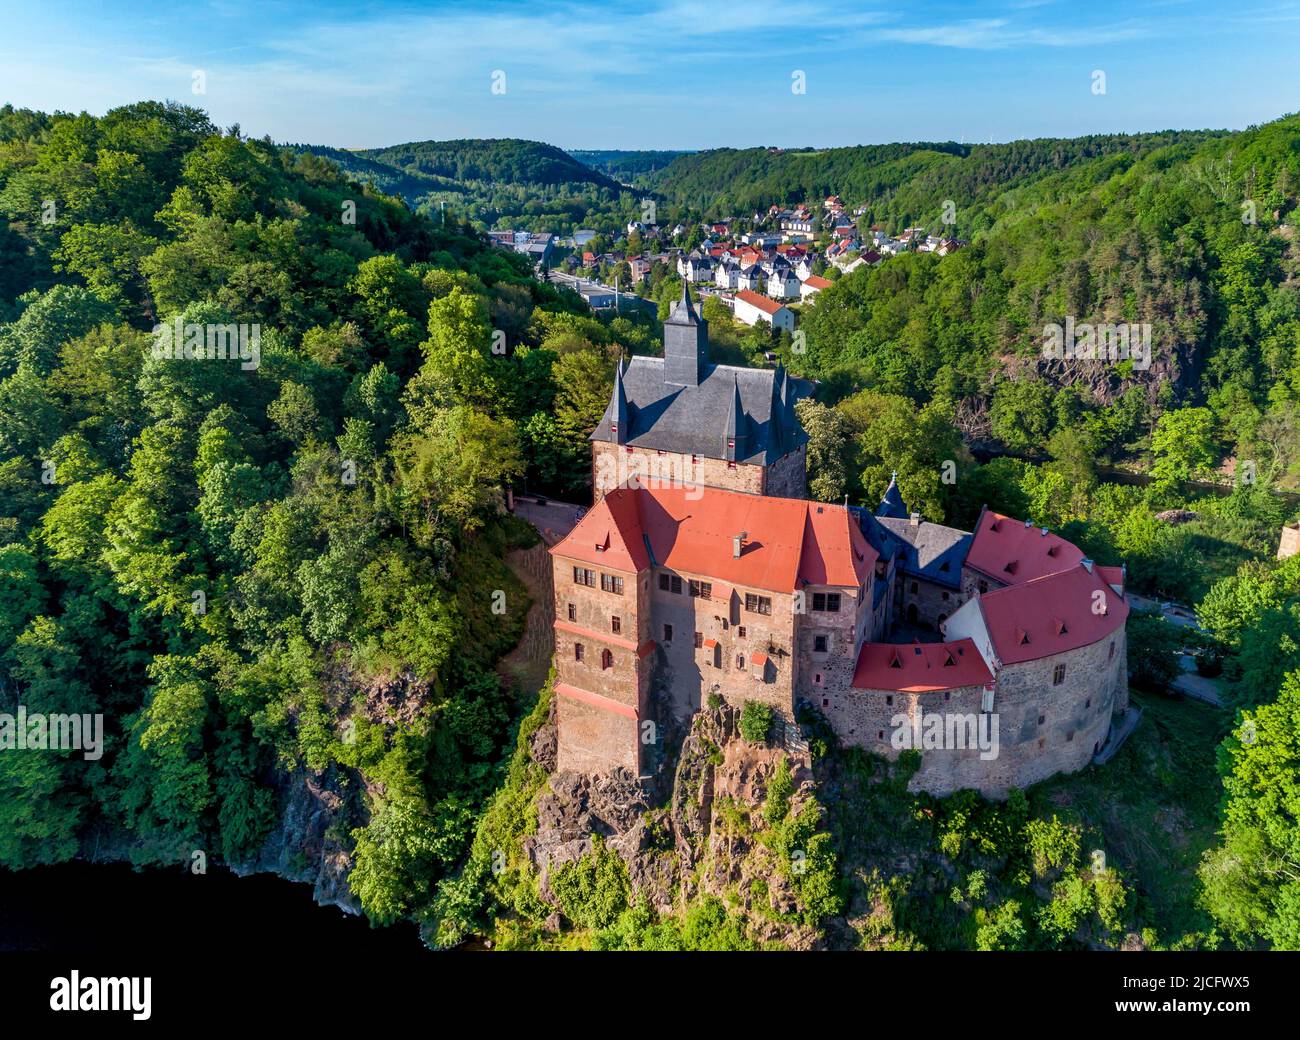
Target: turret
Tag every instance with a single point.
(686, 343)
(735, 433)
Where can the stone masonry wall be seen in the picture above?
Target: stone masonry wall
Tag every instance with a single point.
(1075, 719)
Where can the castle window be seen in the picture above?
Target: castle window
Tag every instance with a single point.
(578, 651)
(1069, 737)
(701, 589)
(717, 655)
(1088, 703)
(699, 640)
(880, 734)
(740, 631)
(826, 703)
(758, 604)
(817, 678)
(819, 644)
(945, 597)
(829, 602)
(1112, 651)
(582, 576)
(611, 583)
(668, 633)
(1058, 675)
(606, 659)
(573, 612)
(616, 623)
(1041, 719)
(889, 699)
(740, 662)
(915, 587)
(947, 695)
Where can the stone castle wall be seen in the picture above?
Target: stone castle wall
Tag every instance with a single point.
(1043, 728)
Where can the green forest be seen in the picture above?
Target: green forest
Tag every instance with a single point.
(288, 572)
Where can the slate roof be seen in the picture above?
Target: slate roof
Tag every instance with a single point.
(931, 551)
(698, 420)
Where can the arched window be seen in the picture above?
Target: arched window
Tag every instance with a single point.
(606, 659)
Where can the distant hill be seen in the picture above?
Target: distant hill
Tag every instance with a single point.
(524, 184)
(901, 183)
(627, 167)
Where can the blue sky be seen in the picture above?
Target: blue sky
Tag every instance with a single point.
(665, 75)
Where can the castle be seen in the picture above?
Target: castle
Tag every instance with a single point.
(723, 581)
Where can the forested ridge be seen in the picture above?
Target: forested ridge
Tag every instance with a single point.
(262, 574)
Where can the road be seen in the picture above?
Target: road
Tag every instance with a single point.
(553, 519)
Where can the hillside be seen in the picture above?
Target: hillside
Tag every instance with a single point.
(510, 182)
(900, 183)
(626, 167)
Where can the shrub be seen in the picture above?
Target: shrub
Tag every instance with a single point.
(755, 722)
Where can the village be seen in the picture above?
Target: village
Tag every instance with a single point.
(762, 267)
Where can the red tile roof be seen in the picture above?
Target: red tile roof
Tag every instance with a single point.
(790, 542)
(764, 304)
(1051, 614)
(1008, 551)
(920, 667)
(818, 282)
(1113, 576)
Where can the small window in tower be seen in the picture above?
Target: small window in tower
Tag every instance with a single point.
(1058, 675)
(606, 659)
(616, 624)
(889, 700)
(668, 633)
(740, 662)
(819, 644)
(699, 640)
(1042, 719)
(578, 651)
(826, 703)
(573, 612)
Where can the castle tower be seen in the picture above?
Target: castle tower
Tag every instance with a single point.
(686, 343)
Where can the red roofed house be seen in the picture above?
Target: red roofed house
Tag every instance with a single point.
(751, 308)
(812, 285)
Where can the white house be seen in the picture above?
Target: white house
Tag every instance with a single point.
(812, 285)
(783, 284)
(752, 308)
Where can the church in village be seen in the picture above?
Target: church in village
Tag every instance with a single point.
(703, 572)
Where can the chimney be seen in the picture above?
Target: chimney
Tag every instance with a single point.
(915, 520)
(738, 544)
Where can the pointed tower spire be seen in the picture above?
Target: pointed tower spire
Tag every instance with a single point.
(686, 343)
(892, 504)
(776, 421)
(619, 417)
(735, 434)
